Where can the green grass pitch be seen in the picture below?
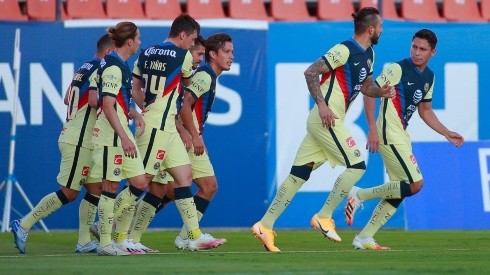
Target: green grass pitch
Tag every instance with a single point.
(303, 252)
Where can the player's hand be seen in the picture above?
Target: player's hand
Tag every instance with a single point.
(454, 138)
(326, 115)
(198, 144)
(388, 91)
(372, 144)
(129, 148)
(186, 139)
(140, 126)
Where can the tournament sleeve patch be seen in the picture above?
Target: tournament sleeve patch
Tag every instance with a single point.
(201, 83)
(390, 75)
(111, 80)
(337, 56)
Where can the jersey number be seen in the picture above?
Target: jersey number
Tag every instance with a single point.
(154, 84)
(73, 96)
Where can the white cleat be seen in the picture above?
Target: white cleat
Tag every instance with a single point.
(367, 243)
(111, 250)
(128, 246)
(144, 248)
(181, 243)
(205, 242)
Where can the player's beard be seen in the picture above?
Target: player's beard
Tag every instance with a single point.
(375, 39)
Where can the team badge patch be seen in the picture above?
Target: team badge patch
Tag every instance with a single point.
(117, 172)
(426, 87)
(357, 153)
(162, 174)
(156, 165)
(82, 182)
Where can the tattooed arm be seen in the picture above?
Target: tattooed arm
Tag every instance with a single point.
(312, 75)
(369, 88)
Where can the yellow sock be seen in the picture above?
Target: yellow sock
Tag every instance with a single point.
(123, 200)
(142, 219)
(87, 212)
(123, 222)
(388, 190)
(183, 232)
(46, 206)
(283, 197)
(106, 217)
(381, 214)
(188, 213)
(341, 188)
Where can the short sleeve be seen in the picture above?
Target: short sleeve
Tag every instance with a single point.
(187, 65)
(111, 81)
(390, 75)
(201, 83)
(336, 57)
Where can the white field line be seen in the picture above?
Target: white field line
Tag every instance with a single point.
(224, 252)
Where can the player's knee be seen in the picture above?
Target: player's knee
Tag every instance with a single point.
(66, 195)
(302, 172)
(207, 187)
(416, 186)
(410, 189)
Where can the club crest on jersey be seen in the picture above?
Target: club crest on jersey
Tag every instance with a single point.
(357, 153)
(95, 132)
(426, 87)
(160, 154)
(118, 159)
(85, 170)
(369, 63)
(82, 182)
(117, 172)
(156, 165)
(350, 142)
(412, 159)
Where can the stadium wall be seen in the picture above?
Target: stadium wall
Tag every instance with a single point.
(259, 119)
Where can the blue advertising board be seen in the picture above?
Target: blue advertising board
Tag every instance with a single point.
(235, 134)
(259, 119)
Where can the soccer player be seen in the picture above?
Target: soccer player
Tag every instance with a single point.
(334, 81)
(115, 154)
(75, 143)
(414, 84)
(157, 76)
(198, 99)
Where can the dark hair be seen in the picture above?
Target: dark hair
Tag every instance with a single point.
(216, 42)
(200, 41)
(122, 32)
(428, 35)
(105, 41)
(184, 23)
(365, 18)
